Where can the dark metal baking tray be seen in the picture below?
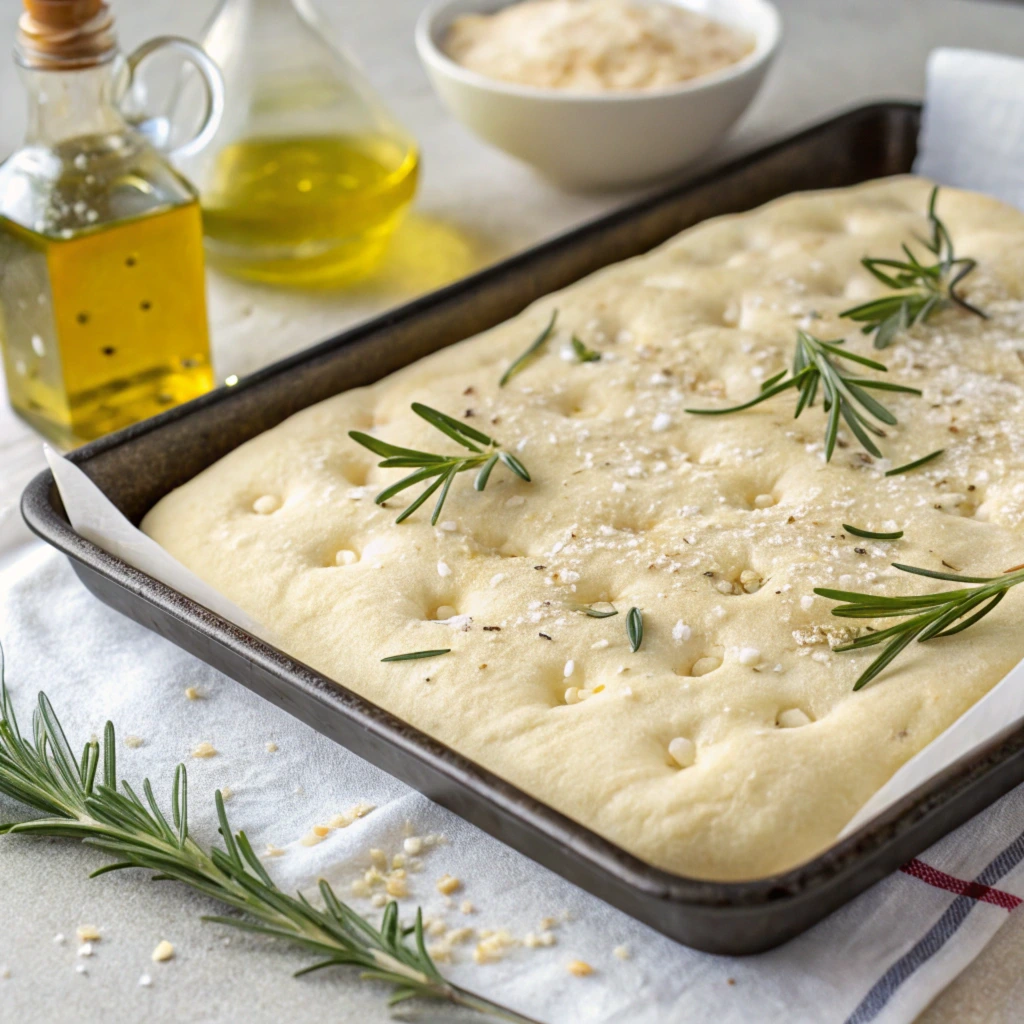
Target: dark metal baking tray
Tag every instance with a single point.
(138, 466)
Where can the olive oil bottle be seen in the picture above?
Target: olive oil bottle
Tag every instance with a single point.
(308, 175)
(102, 292)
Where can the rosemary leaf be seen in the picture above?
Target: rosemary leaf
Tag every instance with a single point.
(635, 628)
(917, 463)
(416, 655)
(78, 802)
(871, 534)
(584, 354)
(530, 354)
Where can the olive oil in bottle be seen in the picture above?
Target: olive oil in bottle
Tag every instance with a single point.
(102, 292)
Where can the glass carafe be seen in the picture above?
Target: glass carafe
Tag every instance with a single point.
(309, 174)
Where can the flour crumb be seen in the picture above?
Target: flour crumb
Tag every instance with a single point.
(447, 884)
(164, 951)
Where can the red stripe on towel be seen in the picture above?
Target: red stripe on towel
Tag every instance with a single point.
(973, 890)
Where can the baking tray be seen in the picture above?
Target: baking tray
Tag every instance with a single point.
(138, 466)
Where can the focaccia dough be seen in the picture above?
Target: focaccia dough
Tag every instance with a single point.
(718, 528)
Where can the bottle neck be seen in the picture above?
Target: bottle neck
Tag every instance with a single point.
(74, 103)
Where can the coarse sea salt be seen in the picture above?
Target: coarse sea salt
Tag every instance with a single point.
(681, 632)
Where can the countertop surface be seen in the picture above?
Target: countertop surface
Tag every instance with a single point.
(475, 206)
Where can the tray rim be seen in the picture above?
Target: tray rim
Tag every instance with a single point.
(45, 516)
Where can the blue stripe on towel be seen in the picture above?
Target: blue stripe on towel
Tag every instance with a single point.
(935, 938)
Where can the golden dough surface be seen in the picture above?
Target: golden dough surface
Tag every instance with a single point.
(718, 528)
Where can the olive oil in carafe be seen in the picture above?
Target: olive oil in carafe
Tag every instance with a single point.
(312, 211)
(104, 326)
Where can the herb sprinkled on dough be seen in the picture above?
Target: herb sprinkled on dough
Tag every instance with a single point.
(443, 469)
(858, 531)
(917, 463)
(416, 655)
(930, 615)
(584, 354)
(531, 353)
(635, 628)
(845, 398)
(921, 290)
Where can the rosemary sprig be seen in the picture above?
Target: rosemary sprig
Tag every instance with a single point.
(416, 655)
(844, 397)
(871, 534)
(584, 354)
(442, 469)
(916, 464)
(921, 290)
(930, 616)
(530, 354)
(635, 628)
(81, 800)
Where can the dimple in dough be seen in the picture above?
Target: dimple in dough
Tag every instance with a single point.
(718, 528)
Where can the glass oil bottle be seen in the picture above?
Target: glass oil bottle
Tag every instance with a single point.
(309, 175)
(102, 292)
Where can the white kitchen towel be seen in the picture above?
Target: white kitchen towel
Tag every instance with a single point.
(881, 958)
(972, 135)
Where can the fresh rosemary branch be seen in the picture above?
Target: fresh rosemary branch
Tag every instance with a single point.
(442, 469)
(584, 354)
(81, 800)
(930, 616)
(844, 397)
(635, 628)
(871, 534)
(416, 655)
(921, 290)
(530, 354)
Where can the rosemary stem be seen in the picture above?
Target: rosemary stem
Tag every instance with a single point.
(473, 1002)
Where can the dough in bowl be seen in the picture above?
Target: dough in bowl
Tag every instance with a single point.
(717, 527)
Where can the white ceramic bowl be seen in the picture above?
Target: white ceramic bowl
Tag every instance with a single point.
(606, 140)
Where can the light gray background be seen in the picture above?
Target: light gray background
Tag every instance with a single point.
(477, 206)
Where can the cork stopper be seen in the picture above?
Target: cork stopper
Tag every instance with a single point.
(63, 34)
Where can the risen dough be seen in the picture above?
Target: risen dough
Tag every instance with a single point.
(718, 528)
